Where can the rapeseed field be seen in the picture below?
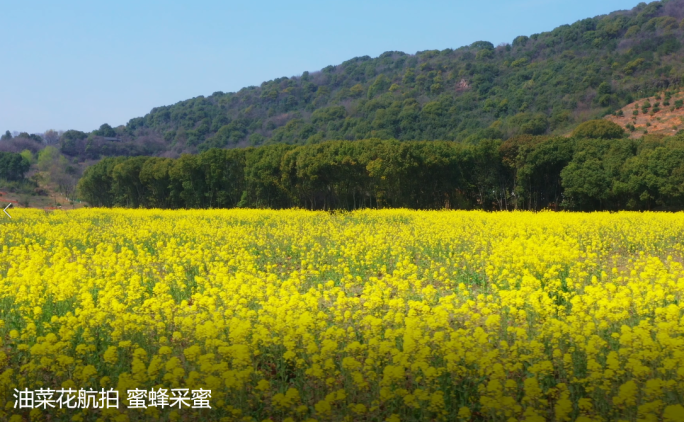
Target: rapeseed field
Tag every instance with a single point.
(365, 316)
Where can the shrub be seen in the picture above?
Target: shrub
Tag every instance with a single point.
(599, 129)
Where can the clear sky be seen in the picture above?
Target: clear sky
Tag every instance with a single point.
(77, 64)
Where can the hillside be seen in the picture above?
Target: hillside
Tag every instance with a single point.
(543, 84)
(661, 114)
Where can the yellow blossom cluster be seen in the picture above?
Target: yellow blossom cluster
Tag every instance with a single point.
(390, 315)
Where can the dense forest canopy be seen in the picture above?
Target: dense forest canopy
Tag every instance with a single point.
(544, 84)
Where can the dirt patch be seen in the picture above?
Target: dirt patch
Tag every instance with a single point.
(661, 117)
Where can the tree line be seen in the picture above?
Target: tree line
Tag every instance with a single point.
(596, 169)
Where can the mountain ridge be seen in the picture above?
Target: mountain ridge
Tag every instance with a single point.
(543, 84)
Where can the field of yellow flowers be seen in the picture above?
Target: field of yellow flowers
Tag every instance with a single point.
(366, 316)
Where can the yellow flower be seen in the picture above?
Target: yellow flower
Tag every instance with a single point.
(364, 312)
(464, 413)
(111, 355)
(674, 413)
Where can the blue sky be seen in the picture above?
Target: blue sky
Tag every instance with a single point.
(77, 64)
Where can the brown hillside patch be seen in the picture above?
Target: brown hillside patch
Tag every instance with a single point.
(667, 121)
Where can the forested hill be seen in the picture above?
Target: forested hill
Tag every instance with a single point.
(543, 84)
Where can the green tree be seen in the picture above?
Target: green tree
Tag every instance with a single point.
(95, 186)
(47, 157)
(154, 176)
(586, 179)
(224, 176)
(380, 84)
(599, 129)
(127, 187)
(188, 182)
(13, 166)
(106, 131)
(28, 156)
(69, 141)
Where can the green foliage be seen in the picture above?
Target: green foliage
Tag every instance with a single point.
(523, 172)
(68, 141)
(105, 130)
(33, 137)
(555, 79)
(599, 129)
(328, 114)
(96, 185)
(329, 175)
(154, 176)
(585, 179)
(379, 85)
(46, 157)
(57, 170)
(28, 156)
(520, 41)
(535, 126)
(537, 163)
(626, 174)
(13, 166)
